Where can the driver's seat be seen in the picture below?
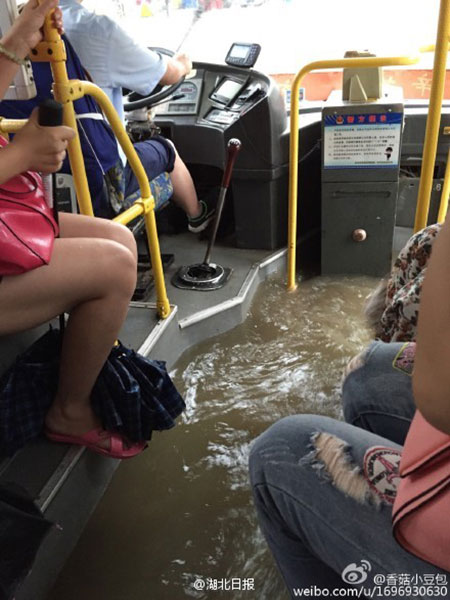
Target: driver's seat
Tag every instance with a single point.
(104, 168)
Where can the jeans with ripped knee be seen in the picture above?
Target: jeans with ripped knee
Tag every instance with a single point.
(324, 523)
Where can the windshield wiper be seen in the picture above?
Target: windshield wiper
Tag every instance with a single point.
(197, 15)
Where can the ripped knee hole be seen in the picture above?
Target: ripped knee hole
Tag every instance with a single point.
(330, 457)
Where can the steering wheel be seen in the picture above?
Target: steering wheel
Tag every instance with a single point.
(135, 100)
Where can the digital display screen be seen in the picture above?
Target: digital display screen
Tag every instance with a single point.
(239, 51)
(228, 89)
(182, 107)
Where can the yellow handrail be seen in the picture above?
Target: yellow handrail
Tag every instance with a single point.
(425, 49)
(362, 62)
(52, 50)
(145, 204)
(434, 117)
(11, 125)
(443, 205)
(429, 47)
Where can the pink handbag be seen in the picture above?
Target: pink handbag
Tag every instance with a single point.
(27, 226)
(421, 513)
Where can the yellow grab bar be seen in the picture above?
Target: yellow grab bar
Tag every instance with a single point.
(425, 49)
(11, 125)
(105, 103)
(430, 47)
(144, 205)
(342, 63)
(443, 206)
(52, 50)
(434, 117)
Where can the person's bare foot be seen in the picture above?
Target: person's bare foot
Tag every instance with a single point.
(71, 420)
(76, 422)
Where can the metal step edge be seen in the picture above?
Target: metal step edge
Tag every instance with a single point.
(158, 330)
(268, 265)
(59, 476)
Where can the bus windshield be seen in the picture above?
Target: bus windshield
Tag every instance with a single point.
(291, 33)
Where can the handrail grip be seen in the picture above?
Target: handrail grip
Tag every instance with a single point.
(11, 125)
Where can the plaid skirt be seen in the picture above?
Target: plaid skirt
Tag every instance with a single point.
(133, 395)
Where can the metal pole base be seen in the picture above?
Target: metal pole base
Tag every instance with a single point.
(201, 277)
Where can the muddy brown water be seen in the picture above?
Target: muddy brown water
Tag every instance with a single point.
(182, 510)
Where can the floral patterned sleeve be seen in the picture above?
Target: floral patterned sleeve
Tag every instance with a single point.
(399, 319)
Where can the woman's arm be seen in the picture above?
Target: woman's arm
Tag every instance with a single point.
(431, 377)
(34, 148)
(24, 35)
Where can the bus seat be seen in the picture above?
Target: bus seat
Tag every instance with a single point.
(161, 188)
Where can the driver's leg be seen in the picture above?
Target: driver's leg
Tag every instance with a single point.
(158, 155)
(184, 194)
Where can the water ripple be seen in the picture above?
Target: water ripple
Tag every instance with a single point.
(188, 507)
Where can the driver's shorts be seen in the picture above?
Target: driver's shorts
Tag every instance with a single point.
(157, 156)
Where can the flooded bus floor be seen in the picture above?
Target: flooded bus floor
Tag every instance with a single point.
(182, 512)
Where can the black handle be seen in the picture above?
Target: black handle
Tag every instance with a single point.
(50, 113)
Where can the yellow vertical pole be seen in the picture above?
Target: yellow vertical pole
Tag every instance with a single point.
(147, 202)
(162, 302)
(443, 206)
(293, 182)
(434, 117)
(52, 50)
(59, 72)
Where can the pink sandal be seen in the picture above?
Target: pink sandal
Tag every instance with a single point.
(118, 446)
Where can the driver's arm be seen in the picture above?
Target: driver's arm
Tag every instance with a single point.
(130, 65)
(177, 67)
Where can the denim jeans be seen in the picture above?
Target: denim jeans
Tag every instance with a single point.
(378, 396)
(315, 530)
